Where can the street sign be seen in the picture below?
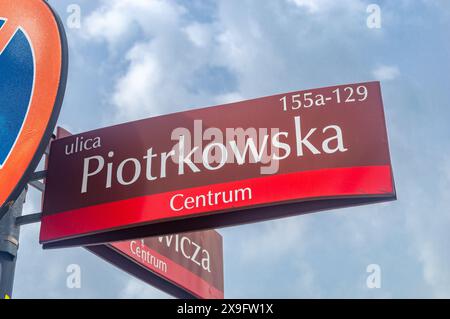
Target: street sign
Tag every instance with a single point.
(188, 265)
(249, 161)
(33, 69)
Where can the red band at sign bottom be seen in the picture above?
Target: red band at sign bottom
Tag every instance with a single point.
(271, 189)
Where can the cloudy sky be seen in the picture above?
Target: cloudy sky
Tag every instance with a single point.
(132, 59)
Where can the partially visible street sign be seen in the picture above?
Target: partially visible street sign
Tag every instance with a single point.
(188, 265)
(249, 161)
(33, 70)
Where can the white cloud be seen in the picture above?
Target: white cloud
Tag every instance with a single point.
(200, 34)
(386, 72)
(115, 20)
(133, 90)
(274, 241)
(309, 4)
(166, 54)
(229, 98)
(430, 224)
(315, 6)
(135, 289)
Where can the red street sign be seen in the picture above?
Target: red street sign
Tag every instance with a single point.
(33, 68)
(188, 265)
(249, 161)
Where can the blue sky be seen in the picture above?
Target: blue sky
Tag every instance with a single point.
(136, 59)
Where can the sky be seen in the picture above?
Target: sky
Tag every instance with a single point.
(133, 59)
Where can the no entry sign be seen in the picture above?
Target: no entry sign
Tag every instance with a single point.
(243, 162)
(33, 71)
(184, 265)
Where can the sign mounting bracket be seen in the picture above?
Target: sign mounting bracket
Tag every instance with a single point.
(28, 219)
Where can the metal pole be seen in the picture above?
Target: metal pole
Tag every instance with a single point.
(9, 245)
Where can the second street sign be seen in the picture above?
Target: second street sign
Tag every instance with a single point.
(243, 162)
(188, 265)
